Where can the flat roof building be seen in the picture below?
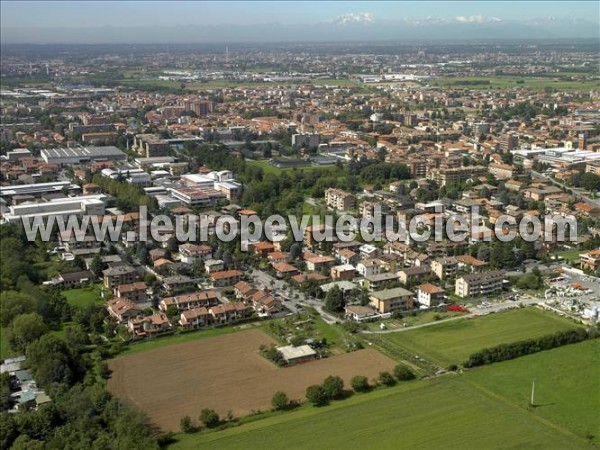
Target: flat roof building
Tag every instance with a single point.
(78, 155)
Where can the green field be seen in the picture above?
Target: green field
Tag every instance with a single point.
(441, 413)
(182, 337)
(453, 342)
(84, 296)
(507, 82)
(567, 390)
(267, 167)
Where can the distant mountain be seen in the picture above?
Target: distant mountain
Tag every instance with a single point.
(346, 28)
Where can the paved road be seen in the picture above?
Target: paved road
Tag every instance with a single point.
(475, 312)
(576, 193)
(262, 279)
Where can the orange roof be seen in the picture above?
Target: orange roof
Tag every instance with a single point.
(223, 275)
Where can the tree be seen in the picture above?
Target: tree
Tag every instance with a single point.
(26, 329)
(483, 253)
(210, 418)
(186, 425)
(403, 373)
(334, 299)
(51, 361)
(280, 401)
(295, 251)
(386, 379)
(5, 392)
(12, 304)
(316, 395)
(97, 266)
(333, 386)
(360, 383)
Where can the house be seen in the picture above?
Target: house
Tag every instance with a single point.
(195, 318)
(116, 275)
(316, 263)
(295, 355)
(214, 265)
(377, 281)
(347, 256)
(369, 251)
(413, 274)
(122, 309)
(390, 300)
(284, 269)
(299, 279)
(265, 304)
(590, 261)
(191, 300)
(263, 248)
(149, 325)
(481, 283)
(157, 253)
(369, 267)
(444, 268)
(190, 253)
(429, 295)
(73, 279)
(469, 264)
(359, 313)
(161, 263)
(229, 313)
(278, 257)
(584, 210)
(225, 278)
(243, 290)
(135, 292)
(343, 272)
(178, 282)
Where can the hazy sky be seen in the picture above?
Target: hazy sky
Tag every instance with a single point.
(25, 21)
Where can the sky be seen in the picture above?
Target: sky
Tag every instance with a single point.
(51, 21)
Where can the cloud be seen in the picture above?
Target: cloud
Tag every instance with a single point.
(359, 17)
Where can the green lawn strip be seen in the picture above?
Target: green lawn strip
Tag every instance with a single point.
(441, 413)
(453, 342)
(567, 389)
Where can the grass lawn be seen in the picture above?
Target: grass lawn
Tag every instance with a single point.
(567, 389)
(183, 337)
(269, 168)
(570, 255)
(84, 296)
(441, 413)
(453, 342)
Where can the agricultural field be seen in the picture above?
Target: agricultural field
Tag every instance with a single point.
(453, 342)
(441, 413)
(567, 388)
(225, 373)
(507, 82)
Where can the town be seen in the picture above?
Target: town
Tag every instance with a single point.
(232, 131)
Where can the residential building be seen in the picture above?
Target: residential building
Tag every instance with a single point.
(390, 300)
(444, 268)
(481, 283)
(339, 200)
(225, 278)
(135, 292)
(116, 275)
(191, 300)
(429, 295)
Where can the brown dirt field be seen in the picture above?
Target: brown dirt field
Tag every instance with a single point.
(224, 373)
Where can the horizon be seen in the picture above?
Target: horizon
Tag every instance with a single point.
(109, 22)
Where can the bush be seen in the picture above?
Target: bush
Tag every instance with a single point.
(186, 425)
(280, 401)
(360, 383)
(333, 387)
(316, 395)
(273, 355)
(504, 352)
(210, 418)
(403, 373)
(386, 379)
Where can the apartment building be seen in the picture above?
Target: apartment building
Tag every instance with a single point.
(590, 261)
(339, 200)
(502, 171)
(444, 268)
(390, 300)
(429, 295)
(135, 292)
(190, 300)
(117, 275)
(455, 175)
(150, 145)
(481, 283)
